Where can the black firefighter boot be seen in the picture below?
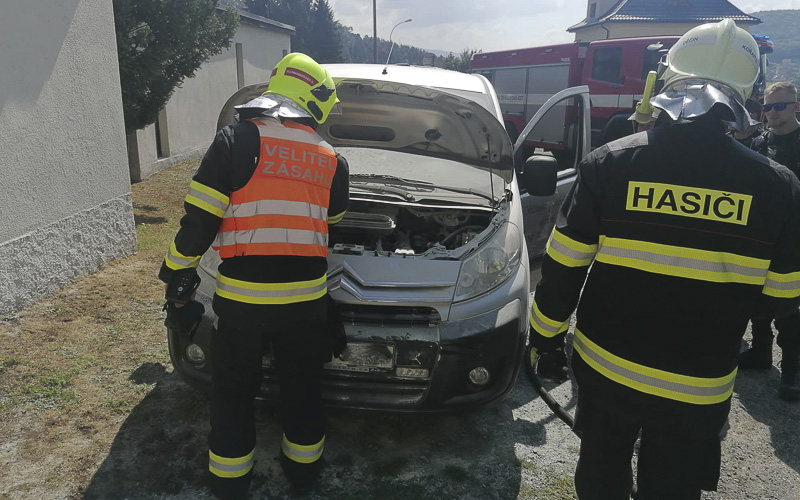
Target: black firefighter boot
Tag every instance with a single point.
(789, 388)
(759, 356)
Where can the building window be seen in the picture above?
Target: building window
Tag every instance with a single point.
(592, 11)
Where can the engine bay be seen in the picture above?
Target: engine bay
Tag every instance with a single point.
(395, 229)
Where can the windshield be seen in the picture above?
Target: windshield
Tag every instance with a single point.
(368, 165)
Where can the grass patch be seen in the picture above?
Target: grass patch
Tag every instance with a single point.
(120, 406)
(7, 363)
(52, 388)
(158, 206)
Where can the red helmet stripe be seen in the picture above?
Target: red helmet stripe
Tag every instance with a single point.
(301, 75)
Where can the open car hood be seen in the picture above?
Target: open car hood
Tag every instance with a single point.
(414, 119)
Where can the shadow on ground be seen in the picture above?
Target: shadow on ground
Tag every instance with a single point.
(160, 450)
(758, 394)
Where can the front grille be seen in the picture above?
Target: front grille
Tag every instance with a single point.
(353, 314)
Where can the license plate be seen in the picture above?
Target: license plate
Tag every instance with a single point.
(363, 358)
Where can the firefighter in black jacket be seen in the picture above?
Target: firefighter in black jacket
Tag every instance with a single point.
(263, 197)
(782, 144)
(686, 232)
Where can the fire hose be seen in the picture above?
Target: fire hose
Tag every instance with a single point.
(557, 409)
(551, 403)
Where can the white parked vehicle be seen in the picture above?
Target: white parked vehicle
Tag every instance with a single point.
(430, 265)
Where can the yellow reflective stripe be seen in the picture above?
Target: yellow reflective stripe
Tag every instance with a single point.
(336, 218)
(271, 293)
(694, 390)
(304, 454)
(682, 262)
(782, 286)
(176, 261)
(208, 199)
(230, 467)
(545, 326)
(569, 252)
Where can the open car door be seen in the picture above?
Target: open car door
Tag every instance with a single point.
(550, 146)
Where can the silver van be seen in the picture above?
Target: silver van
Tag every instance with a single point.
(431, 263)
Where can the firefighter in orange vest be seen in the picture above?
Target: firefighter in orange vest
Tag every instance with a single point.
(263, 197)
(684, 234)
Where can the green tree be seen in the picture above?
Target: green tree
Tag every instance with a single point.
(459, 62)
(316, 29)
(324, 36)
(159, 44)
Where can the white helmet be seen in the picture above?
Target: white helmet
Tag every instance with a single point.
(712, 64)
(720, 52)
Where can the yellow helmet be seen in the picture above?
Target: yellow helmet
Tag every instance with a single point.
(304, 81)
(719, 52)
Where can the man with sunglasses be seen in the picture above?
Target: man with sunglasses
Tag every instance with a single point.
(781, 142)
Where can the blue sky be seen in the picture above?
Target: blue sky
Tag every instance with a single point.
(453, 25)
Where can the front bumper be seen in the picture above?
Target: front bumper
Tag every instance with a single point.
(429, 360)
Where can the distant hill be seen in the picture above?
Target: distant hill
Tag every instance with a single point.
(782, 27)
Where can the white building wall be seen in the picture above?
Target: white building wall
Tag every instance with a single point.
(192, 112)
(65, 203)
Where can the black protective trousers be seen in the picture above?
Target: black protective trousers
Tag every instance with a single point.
(671, 465)
(237, 349)
(788, 337)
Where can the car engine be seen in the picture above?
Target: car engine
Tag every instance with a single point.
(406, 230)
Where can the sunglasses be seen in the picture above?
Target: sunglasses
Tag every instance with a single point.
(779, 106)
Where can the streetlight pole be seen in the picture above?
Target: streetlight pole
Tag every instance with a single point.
(392, 46)
(374, 34)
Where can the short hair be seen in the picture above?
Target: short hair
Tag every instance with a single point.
(752, 106)
(785, 87)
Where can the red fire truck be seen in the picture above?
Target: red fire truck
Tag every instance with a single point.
(614, 70)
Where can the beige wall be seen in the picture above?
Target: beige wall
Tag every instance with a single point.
(191, 114)
(65, 205)
(627, 30)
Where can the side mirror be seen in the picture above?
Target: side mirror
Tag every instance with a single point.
(540, 175)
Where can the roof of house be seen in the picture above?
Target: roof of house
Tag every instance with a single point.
(262, 22)
(669, 11)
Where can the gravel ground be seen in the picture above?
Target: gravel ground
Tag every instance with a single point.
(91, 408)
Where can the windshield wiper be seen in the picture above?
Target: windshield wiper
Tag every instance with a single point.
(412, 183)
(393, 178)
(383, 188)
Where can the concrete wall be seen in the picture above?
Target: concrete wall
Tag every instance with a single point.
(191, 114)
(65, 195)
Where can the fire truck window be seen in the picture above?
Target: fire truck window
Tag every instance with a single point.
(651, 58)
(606, 66)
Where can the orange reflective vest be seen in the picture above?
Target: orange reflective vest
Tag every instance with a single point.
(283, 209)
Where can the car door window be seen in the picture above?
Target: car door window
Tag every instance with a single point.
(558, 132)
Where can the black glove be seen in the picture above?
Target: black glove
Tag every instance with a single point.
(181, 286)
(551, 363)
(336, 332)
(185, 320)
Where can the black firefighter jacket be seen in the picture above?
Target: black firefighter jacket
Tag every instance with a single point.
(688, 235)
(226, 167)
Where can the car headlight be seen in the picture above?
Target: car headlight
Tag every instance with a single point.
(492, 264)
